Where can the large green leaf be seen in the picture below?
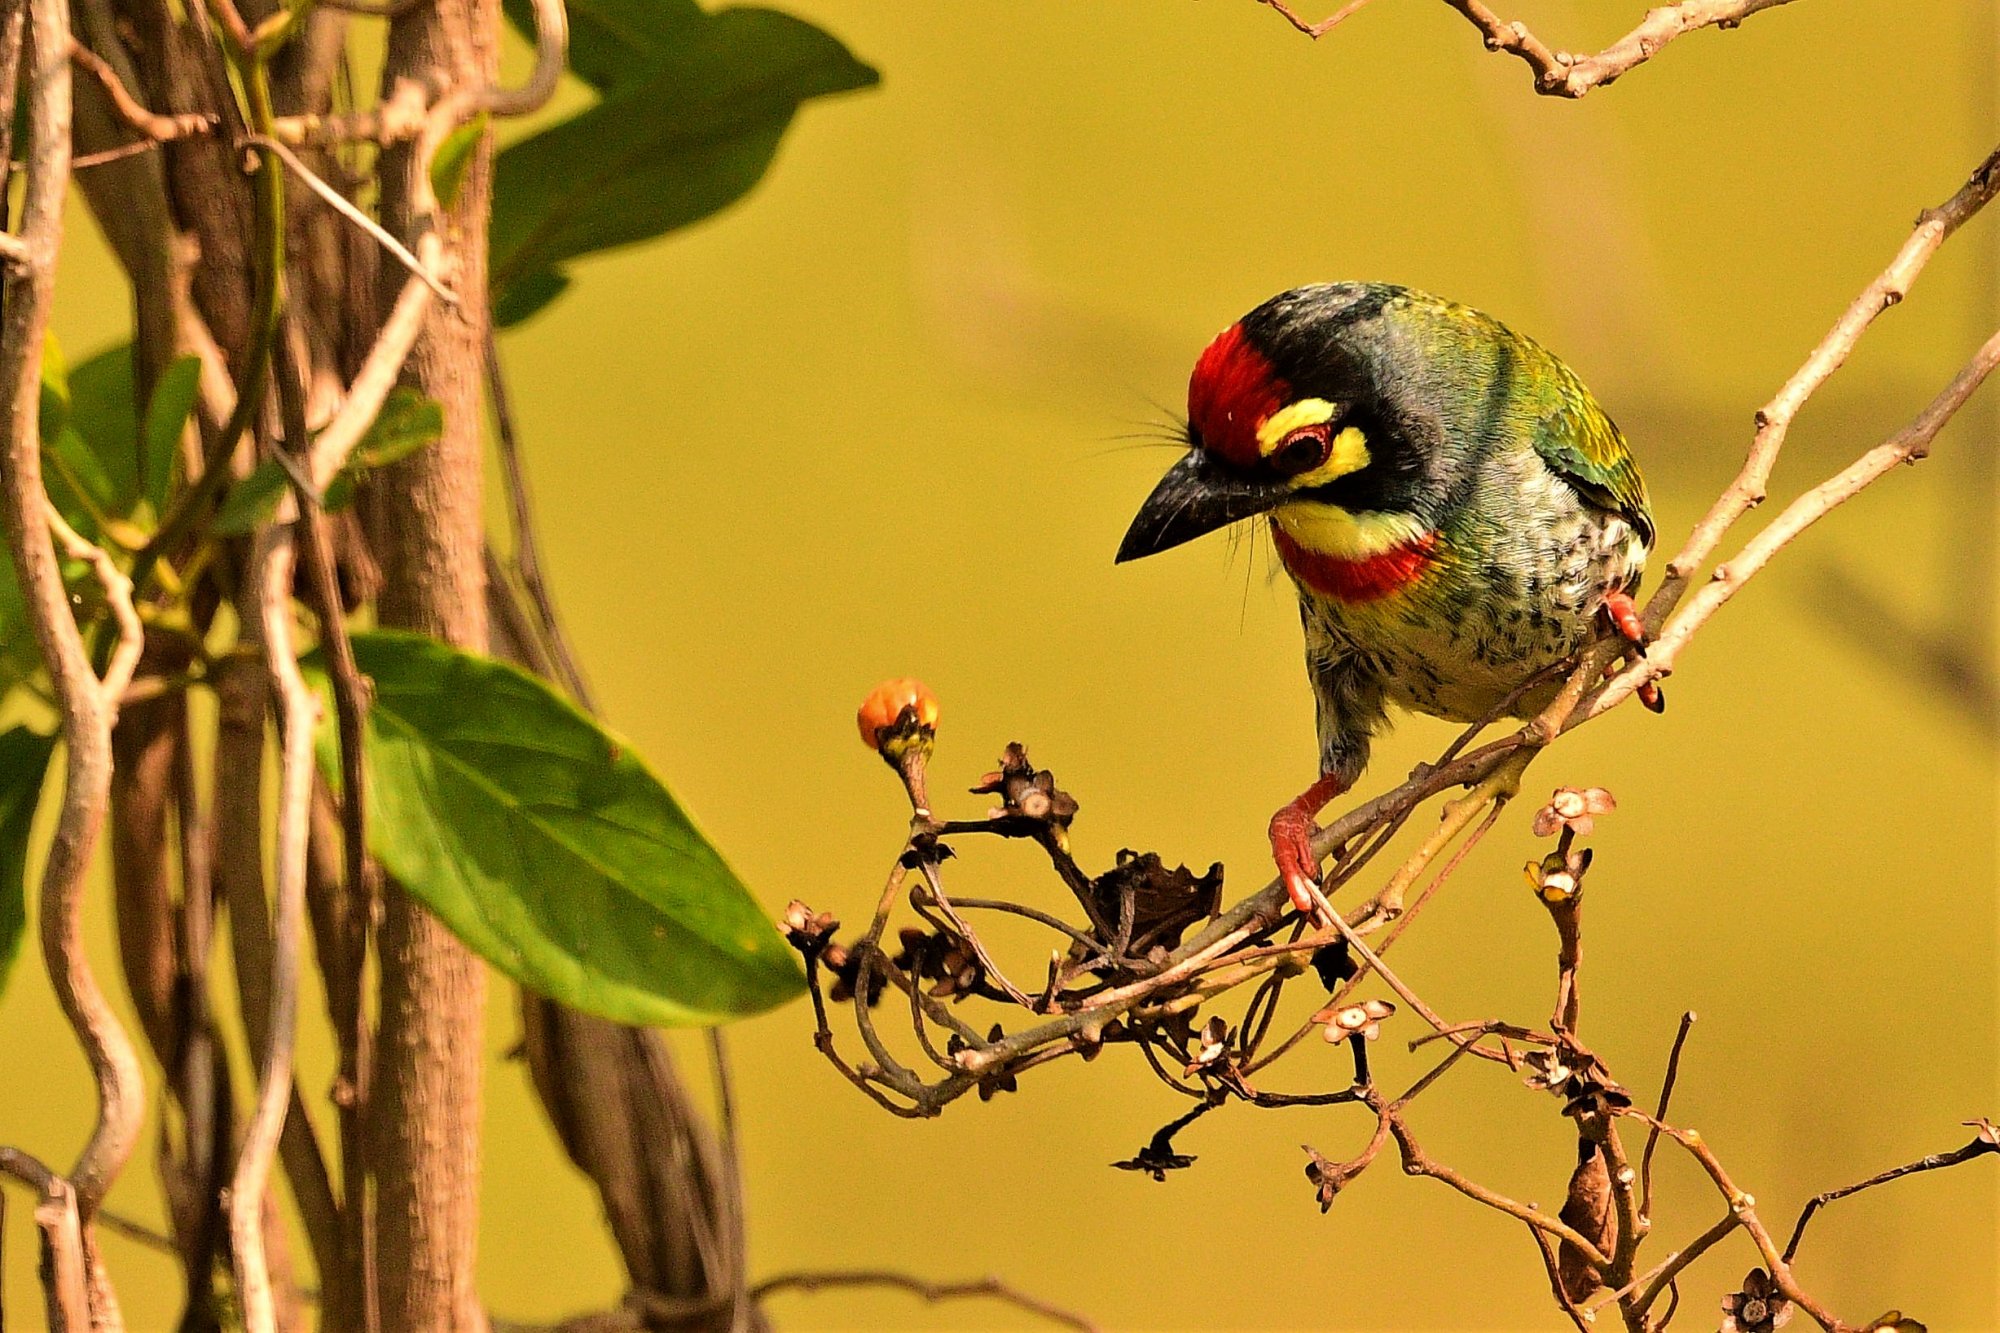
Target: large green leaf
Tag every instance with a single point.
(547, 846)
(24, 763)
(666, 148)
(613, 42)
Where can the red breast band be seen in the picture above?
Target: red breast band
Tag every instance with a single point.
(1363, 580)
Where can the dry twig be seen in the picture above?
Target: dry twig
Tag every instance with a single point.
(1561, 73)
(990, 1288)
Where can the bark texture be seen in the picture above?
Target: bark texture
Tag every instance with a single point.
(427, 515)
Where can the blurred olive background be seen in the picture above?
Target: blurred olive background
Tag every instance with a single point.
(877, 420)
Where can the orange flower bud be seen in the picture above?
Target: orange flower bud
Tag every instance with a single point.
(883, 709)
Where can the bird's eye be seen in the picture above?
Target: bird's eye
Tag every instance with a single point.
(1303, 450)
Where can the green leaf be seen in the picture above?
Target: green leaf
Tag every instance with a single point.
(687, 139)
(518, 300)
(408, 421)
(613, 41)
(453, 156)
(166, 417)
(252, 500)
(339, 492)
(546, 845)
(24, 763)
(77, 482)
(102, 409)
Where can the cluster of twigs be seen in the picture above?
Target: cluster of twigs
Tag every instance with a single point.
(1123, 976)
(1156, 949)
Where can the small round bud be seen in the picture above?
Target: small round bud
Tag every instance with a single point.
(884, 708)
(898, 721)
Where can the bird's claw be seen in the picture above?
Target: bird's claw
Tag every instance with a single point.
(1298, 868)
(1292, 830)
(1623, 613)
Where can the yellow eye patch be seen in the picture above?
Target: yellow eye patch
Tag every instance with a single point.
(1272, 430)
(1350, 447)
(1349, 454)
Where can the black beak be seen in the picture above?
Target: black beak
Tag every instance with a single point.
(1196, 496)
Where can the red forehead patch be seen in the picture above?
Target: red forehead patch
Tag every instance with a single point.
(1232, 390)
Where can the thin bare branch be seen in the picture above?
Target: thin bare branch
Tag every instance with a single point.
(1652, 1284)
(1744, 1207)
(65, 1282)
(1985, 1142)
(156, 127)
(118, 593)
(991, 1288)
(1559, 73)
(87, 708)
(1325, 25)
(344, 206)
(298, 710)
(1666, 1103)
(551, 51)
(527, 561)
(1906, 446)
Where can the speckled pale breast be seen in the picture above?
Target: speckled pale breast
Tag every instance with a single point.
(1515, 585)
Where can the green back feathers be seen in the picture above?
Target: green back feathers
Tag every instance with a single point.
(1542, 399)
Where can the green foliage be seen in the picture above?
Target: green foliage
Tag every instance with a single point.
(453, 156)
(18, 654)
(100, 458)
(614, 42)
(694, 107)
(408, 421)
(24, 762)
(166, 418)
(546, 845)
(101, 410)
(518, 300)
(252, 500)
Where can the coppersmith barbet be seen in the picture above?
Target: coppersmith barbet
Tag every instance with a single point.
(1454, 507)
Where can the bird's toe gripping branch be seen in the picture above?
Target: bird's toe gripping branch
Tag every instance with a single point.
(1623, 613)
(1291, 843)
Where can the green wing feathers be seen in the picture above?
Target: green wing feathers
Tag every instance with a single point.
(1585, 447)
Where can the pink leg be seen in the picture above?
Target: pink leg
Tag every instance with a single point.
(1291, 839)
(1623, 613)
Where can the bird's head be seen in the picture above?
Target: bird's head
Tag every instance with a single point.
(1328, 408)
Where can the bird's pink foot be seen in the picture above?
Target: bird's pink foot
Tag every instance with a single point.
(1623, 613)
(1291, 843)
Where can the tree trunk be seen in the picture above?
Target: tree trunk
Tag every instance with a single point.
(425, 1111)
